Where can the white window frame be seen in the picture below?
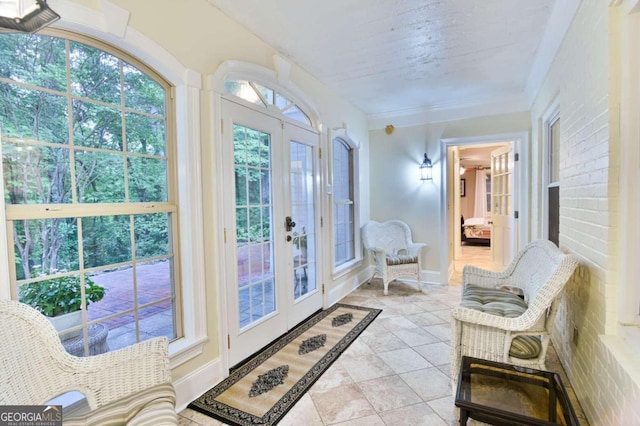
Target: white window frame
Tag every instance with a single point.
(110, 24)
(550, 117)
(627, 323)
(345, 267)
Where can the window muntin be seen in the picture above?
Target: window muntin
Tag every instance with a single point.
(87, 166)
(343, 203)
(266, 97)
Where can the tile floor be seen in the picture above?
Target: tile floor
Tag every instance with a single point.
(397, 371)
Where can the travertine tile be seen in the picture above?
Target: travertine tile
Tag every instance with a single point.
(303, 413)
(416, 336)
(429, 383)
(335, 376)
(419, 414)
(366, 367)
(377, 392)
(436, 353)
(404, 360)
(384, 343)
(341, 404)
(198, 418)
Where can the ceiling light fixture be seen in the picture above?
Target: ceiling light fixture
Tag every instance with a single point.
(27, 16)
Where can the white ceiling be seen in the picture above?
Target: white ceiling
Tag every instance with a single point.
(398, 57)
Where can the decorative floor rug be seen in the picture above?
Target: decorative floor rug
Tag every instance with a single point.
(263, 390)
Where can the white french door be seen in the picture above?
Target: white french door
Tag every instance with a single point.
(502, 206)
(271, 225)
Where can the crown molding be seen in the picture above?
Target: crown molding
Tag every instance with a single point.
(439, 113)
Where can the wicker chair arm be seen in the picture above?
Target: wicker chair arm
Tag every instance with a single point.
(113, 375)
(483, 278)
(522, 323)
(415, 249)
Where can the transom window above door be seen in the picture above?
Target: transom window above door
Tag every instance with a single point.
(266, 97)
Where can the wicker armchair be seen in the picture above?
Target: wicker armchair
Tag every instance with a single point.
(128, 386)
(498, 325)
(394, 252)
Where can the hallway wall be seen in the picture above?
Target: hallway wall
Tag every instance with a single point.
(398, 193)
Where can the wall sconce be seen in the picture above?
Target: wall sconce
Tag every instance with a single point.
(426, 169)
(27, 16)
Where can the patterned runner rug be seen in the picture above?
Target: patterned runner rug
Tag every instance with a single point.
(262, 390)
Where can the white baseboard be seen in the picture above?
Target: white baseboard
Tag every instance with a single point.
(348, 285)
(197, 382)
(432, 277)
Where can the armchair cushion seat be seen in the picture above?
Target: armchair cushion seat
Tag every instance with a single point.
(401, 259)
(503, 304)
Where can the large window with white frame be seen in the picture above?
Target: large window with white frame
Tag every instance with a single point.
(344, 215)
(89, 189)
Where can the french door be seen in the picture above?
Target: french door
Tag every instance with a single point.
(502, 206)
(271, 226)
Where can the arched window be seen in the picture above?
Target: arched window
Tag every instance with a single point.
(266, 97)
(89, 184)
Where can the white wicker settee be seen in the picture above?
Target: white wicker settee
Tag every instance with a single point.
(129, 386)
(394, 252)
(498, 325)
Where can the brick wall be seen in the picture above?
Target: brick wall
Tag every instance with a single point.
(580, 77)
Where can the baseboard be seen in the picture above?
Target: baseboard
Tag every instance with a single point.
(348, 285)
(432, 277)
(197, 382)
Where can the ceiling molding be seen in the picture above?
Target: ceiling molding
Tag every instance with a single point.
(557, 26)
(418, 116)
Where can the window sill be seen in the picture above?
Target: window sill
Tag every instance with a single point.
(625, 348)
(345, 268)
(182, 350)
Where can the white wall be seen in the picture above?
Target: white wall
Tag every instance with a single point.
(397, 192)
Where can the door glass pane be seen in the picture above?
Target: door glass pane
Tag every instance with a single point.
(302, 200)
(254, 245)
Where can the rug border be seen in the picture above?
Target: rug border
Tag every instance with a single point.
(297, 391)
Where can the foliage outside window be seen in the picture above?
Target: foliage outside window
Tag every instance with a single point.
(343, 203)
(87, 165)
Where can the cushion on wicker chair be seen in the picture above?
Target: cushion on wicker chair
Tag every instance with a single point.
(401, 259)
(504, 304)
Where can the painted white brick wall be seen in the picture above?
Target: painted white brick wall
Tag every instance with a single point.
(588, 211)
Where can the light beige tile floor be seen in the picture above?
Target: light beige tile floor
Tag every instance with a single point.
(397, 371)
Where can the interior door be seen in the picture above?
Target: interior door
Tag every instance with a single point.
(270, 189)
(502, 202)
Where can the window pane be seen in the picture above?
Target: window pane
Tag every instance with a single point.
(146, 135)
(147, 179)
(152, 235)
(36, 174)
(32, 114)
(45, 246)
(95, 74)
(242, 89)
(97, 126)
(141, 92)
(343, 211)
(100, 177)
(34, 59)
(118, 298)
(554, 152)
(106, 240)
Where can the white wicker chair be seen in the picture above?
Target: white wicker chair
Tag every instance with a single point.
(128, 386)
(541, 270)
(394, 252)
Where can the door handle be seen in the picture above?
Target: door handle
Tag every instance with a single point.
(289, 224)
